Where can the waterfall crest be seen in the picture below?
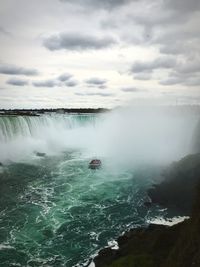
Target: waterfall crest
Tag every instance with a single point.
(22, 135)
(124, 136)
(34, 126)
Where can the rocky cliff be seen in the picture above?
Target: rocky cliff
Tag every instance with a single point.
(164, 246)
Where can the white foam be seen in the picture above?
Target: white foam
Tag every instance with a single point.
(92, 264)
(113, 244)
(3, 246)
(168, 222)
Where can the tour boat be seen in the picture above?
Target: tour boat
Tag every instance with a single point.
(95, 164)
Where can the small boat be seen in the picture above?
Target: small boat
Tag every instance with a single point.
(95, 164)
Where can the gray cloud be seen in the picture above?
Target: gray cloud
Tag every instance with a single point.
(166, 12)
(4, 32)
(71, 83)
(185, 72)
(168, 25)
(102, 94)
(131, 90)
(192, 82)
(145, 21)
(45, 83)
(77, 42)
(95, 94)
(79, 94)
(159, 63)
(95, 4)
(165, 29)
(103, 86)
(189, 67)
(171, 50)
(171, 81)
(142, 76)
(180, 41)
(96, 81)
(15, 70)
(64, 77)
(17, 82)
(62, 80)
(182, 80)
(183, 6)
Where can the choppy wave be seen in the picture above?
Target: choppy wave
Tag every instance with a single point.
(60, 212)
(54, 211)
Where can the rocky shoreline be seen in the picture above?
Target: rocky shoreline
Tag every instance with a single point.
(161, 245)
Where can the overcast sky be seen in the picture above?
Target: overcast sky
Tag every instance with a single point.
(98, 53)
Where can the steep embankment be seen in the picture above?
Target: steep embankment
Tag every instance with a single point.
(179, 185)
(163, 246)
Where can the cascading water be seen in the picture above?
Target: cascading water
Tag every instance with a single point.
(34, 126)
(54, 211)
(22, 135)
(129, 135)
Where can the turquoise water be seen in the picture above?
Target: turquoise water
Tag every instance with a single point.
(54, 211)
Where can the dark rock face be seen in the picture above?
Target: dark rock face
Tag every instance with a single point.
(106, 256)
(186, 251)
(164, 246)
(140, 247)
(179, 186)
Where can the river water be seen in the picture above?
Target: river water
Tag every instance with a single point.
(54, 210)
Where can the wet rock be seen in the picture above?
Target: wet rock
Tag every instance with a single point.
(105, 256)
(161, 245)
(178, 189)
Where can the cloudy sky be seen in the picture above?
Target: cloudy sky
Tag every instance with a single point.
(98, 53)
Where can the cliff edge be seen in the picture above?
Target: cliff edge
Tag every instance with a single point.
(164, 246)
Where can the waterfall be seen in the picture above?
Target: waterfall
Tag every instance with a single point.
(22, 135)
(12, 127)
(124, 135)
